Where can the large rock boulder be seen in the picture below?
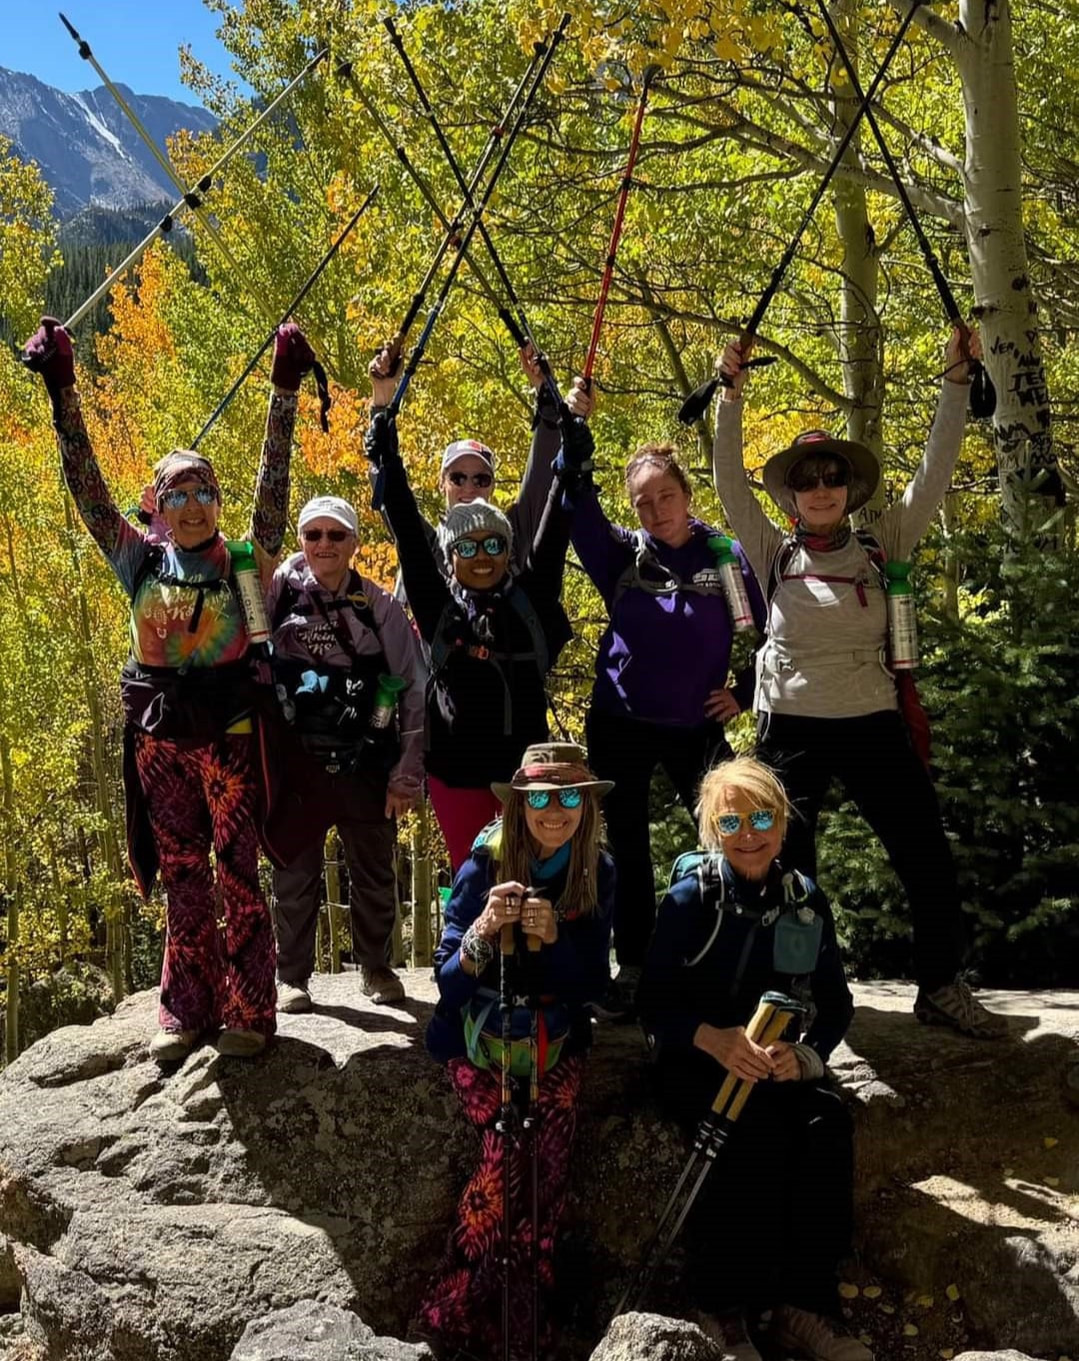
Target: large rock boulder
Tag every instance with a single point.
(310, 1331)
(153, 1216)
(650, 1337)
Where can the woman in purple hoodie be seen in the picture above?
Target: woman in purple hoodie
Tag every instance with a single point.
(661, 693)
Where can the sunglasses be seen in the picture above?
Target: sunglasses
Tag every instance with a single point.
(316, 535)
(761, 820)
(806, 479)
(494, 545)
(477, 479)
(540, 798)
(177, 499)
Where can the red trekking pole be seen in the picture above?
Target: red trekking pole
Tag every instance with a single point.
(650, 74)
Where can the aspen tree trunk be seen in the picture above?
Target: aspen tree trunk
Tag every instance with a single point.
(421, 889)
(12, 893)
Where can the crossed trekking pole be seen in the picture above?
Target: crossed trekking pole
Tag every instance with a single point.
(774, 1013)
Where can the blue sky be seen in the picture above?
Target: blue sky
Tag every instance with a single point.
(136, 41)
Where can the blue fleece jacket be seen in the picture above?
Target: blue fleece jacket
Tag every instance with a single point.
(574, 970)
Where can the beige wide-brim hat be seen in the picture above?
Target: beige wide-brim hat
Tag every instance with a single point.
(552, 765)
(819, 444)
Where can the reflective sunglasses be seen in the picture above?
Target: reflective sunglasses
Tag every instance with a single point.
(805, 477)
(494, 545)
(477, 479)
(315, 535)
(178, 498)
(568, 798)
(761, 820)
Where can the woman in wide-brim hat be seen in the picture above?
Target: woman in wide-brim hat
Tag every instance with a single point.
(828, 704)
(539, 874)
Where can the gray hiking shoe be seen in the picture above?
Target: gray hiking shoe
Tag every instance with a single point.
(381, 984)
(241, 1044)
(293, 997)
(729, 1333)
(171, 1046)
(956, 1006)
(815, 1336)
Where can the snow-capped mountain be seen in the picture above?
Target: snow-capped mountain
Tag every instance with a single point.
(86, 148)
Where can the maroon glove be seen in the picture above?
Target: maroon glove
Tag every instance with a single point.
(49, 352)
(292, 357)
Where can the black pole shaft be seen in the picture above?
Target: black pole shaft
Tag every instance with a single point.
(308, 285)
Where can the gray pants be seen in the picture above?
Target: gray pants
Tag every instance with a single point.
(355, 804)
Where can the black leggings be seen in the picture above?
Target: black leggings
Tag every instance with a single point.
(873, 759)
(627, 751)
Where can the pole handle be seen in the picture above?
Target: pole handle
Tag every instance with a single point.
(754, 1030)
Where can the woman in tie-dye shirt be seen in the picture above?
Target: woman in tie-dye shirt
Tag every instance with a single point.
(189, 763)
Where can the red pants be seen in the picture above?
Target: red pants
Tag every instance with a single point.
(218, 968)
(463, 1303)
(462, 814)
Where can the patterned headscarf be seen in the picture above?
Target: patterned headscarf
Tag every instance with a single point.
(183, 465)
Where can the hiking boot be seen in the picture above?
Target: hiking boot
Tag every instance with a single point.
(241, 1044)
(956, 1006)
(381, 984)
(171, 1046)
(729, 1333)
(620, 1000)
(815, 1336)
(293, 997)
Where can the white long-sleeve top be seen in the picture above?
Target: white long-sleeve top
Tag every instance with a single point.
(824, 655)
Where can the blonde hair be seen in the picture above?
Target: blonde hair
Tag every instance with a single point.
(515, 856)
(743, 775)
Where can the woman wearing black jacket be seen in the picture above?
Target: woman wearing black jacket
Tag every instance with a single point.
(490, 637)
(774, 1218)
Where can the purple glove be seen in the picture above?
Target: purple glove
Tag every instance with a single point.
(49, 352)
(292, 357)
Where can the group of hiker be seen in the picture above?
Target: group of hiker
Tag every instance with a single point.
(271, 700)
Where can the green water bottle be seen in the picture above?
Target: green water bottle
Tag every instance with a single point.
(732, 581)
(246, 572)
(902, 617)
(389, 687)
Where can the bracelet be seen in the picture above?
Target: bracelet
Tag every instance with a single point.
(476, 949)
(810, 1062)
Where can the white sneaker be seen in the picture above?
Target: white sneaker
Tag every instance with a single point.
(815, 1336)
(170, 1046)
(293, 997)
(241, 1044)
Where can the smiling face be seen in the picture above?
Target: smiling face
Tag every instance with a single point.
(482, 571)
(661, 503)
(327, 548)
(748, 851)
(466, 479)
(551, 827)
(191, 522)
(821, 507)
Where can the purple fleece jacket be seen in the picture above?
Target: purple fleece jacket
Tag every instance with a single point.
(661, 655)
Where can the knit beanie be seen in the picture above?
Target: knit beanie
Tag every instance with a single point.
(473, 517)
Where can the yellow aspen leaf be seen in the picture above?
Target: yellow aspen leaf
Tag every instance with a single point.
(887, 1308)
(1009, 1171)
(1051, 1181)
(1050, 1142)
(947, 1353)
(924, 1301)
(952, 1291)
(848, 1290)
(910, 1330)
(726, 49)
(872, 1292)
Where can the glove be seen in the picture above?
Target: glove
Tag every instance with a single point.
(49, 352)
(578, 446)
(380, 442)
(292, 357)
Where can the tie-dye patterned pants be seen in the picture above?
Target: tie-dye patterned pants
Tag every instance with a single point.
(215, 972)
(463, 1305)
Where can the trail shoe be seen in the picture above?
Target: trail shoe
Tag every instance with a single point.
(241, 1044)
(729, 1332)
(620, 1000)
(170, 1046)
(381, 984)
(293, 997)
(956, 1006)
(814, 1336)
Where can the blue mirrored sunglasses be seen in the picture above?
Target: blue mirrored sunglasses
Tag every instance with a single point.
(177, 499)
(568, 798)
(494, 545)
(761, 820)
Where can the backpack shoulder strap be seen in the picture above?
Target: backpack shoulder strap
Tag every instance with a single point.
(874, 552)
(527, 612)
(149, 567)
(780, 563)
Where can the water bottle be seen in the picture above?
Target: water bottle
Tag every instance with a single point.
(902, 617)
(389, 687)
(732, 581)
(246, 572)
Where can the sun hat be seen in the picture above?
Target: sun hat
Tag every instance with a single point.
(865, 470)
(552, 765)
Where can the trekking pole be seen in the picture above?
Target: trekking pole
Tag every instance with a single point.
(505, 1123)
(481, 226)
(983, 395)
(531, 1129)
(163, 161)
(773, 1015)
(345, 70)
(452, 237)
(190, 199)
(320, 372)
(650, 73)
(698, 401)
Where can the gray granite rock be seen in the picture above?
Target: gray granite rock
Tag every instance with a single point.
(314, 1331)
(650, 1337)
